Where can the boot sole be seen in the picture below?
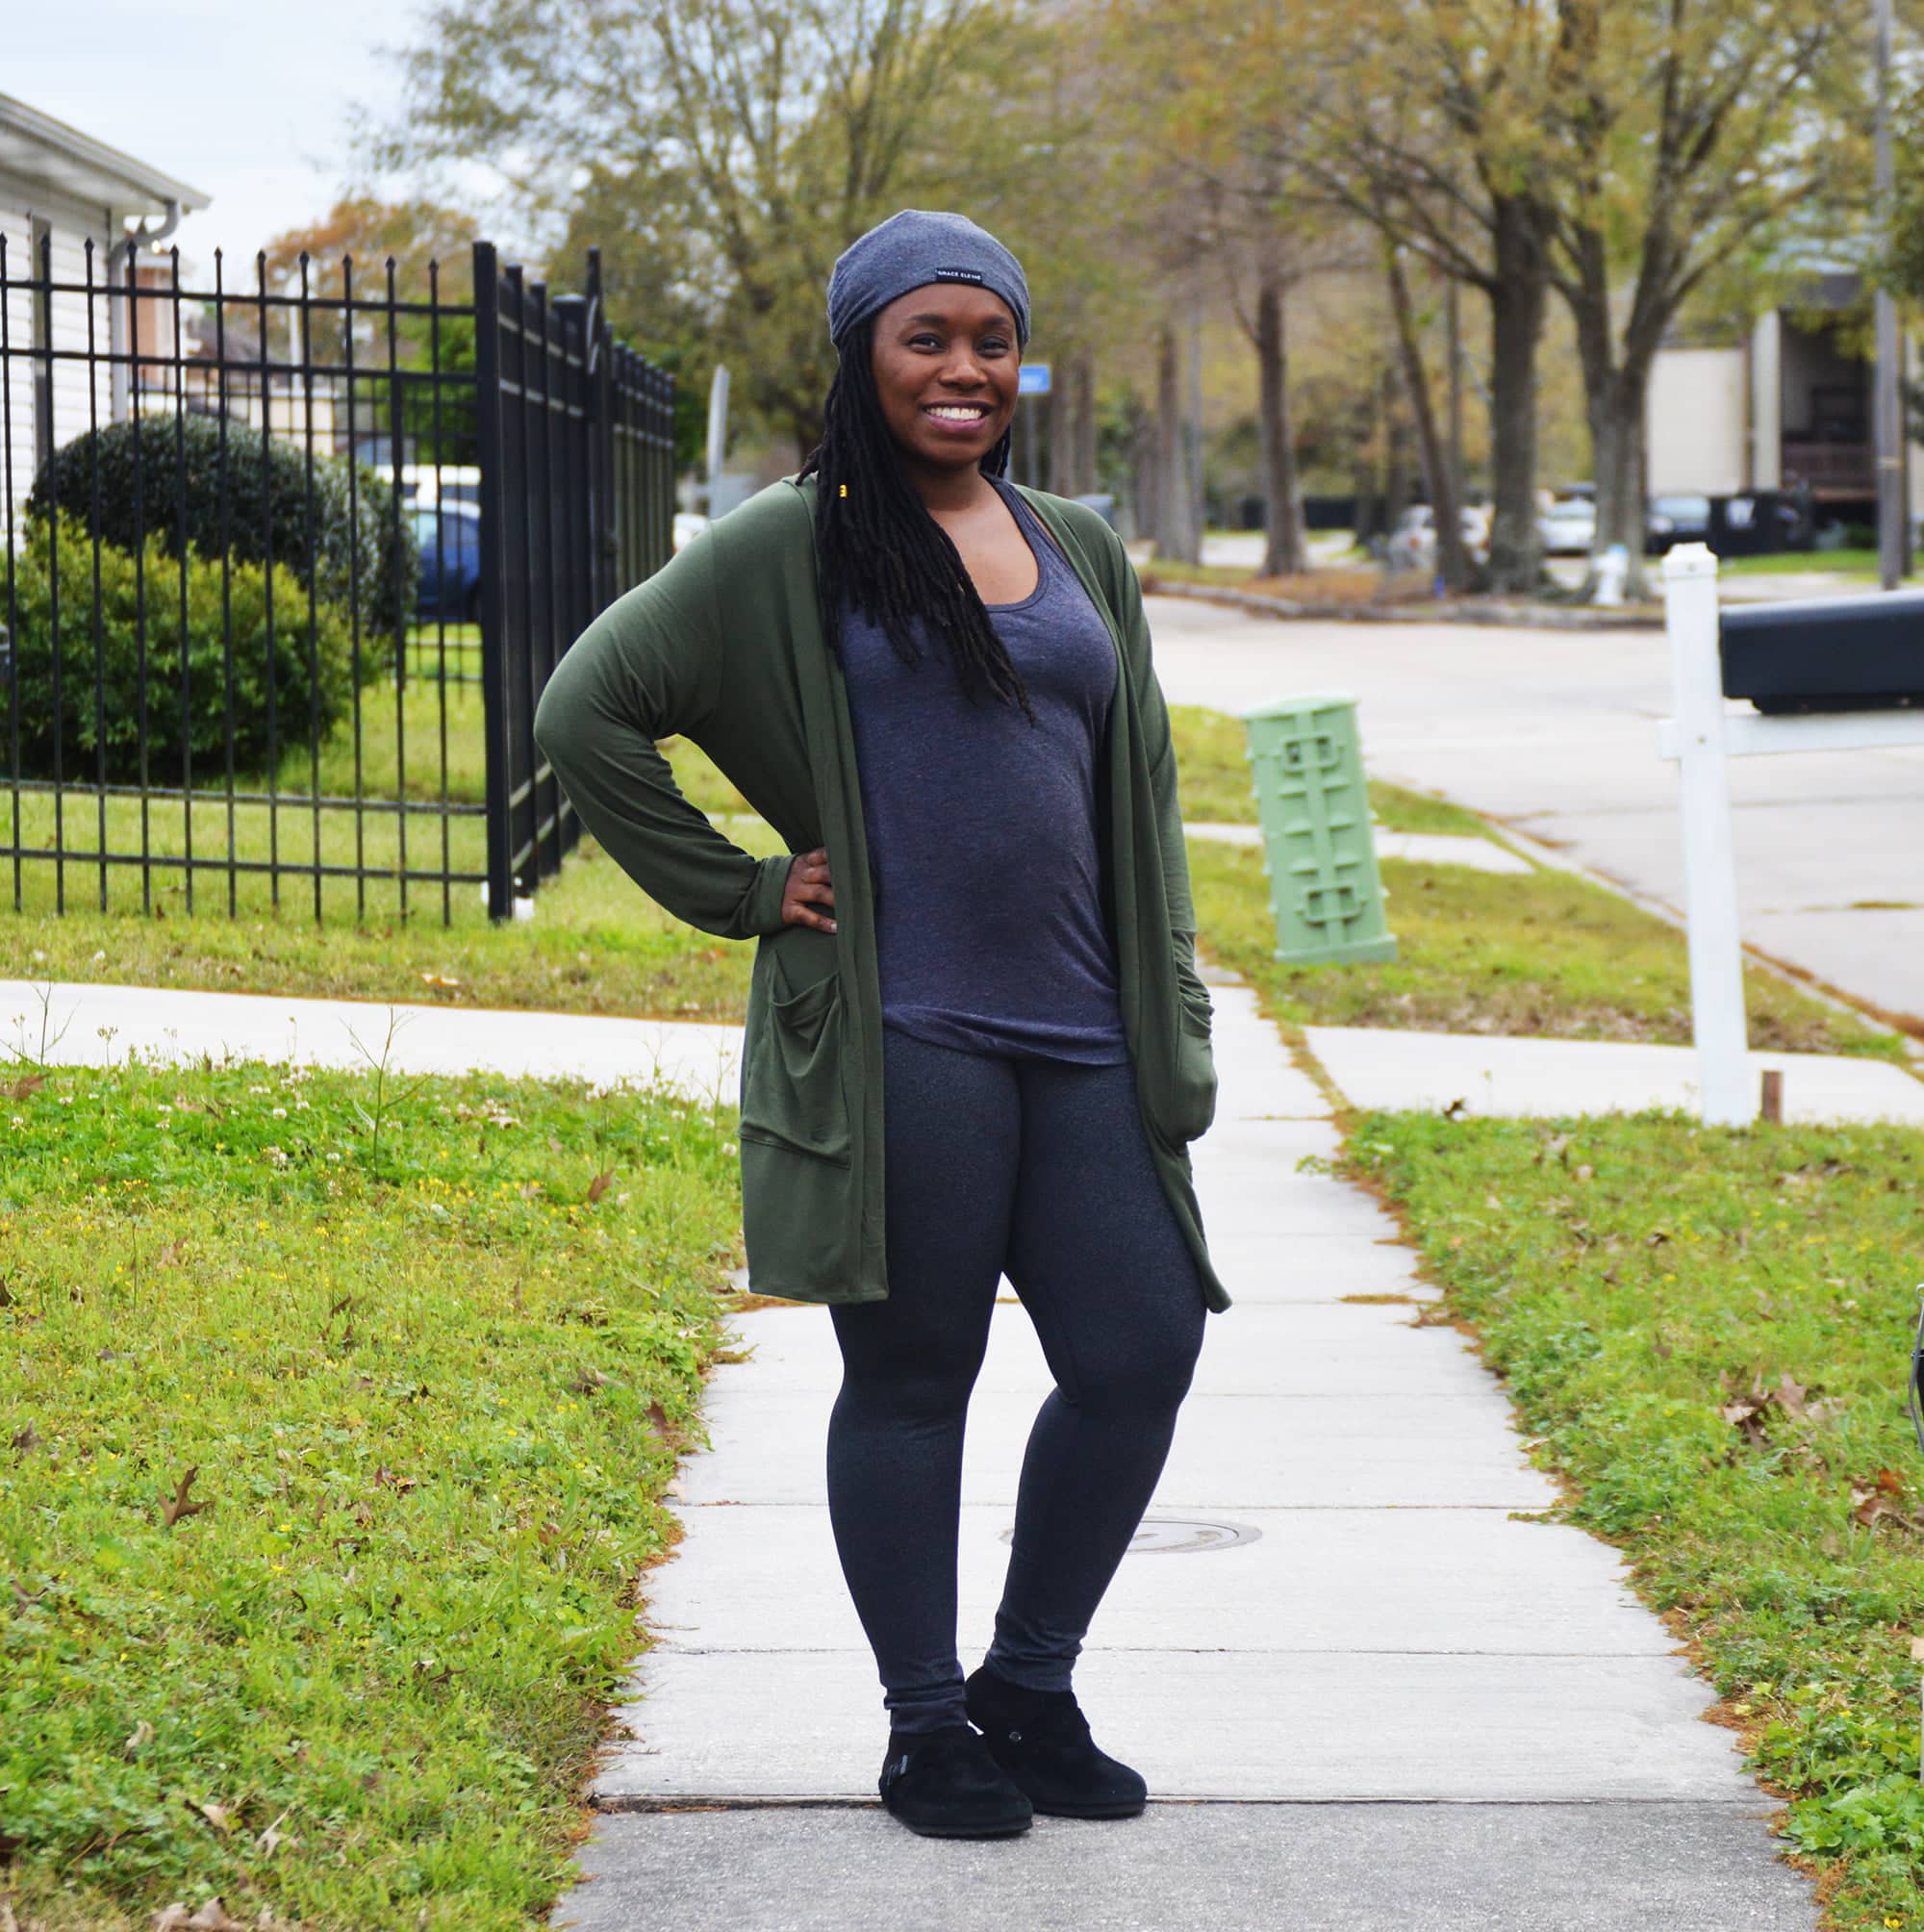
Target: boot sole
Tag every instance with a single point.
(1014, 1829)
(1133, 1809)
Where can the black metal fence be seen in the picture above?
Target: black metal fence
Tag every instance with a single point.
(287, 569)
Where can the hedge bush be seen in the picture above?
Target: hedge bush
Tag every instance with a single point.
(258, 660)
(249, 502)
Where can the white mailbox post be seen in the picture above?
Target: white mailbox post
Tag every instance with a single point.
(1698, 739)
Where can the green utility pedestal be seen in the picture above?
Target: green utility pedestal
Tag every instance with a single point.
(1306, 764)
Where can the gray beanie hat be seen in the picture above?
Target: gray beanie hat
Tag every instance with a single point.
(911, 249)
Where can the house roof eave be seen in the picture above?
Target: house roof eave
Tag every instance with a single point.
(39, 148)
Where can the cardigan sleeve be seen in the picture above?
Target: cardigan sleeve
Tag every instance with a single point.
(1159, 745)
(651, 666)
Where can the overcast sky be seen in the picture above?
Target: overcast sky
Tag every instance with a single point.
(245, 100)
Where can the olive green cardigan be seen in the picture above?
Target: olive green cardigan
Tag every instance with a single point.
(724, 647)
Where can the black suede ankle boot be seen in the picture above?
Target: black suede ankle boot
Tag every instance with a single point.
(944, 1784)
(1041, 1738)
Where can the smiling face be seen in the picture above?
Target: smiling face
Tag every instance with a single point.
(945, 363)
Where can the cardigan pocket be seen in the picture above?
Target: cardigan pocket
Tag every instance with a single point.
(1193, 1098)
(792, 1089)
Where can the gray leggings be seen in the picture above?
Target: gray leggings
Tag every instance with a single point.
(1039, 1169)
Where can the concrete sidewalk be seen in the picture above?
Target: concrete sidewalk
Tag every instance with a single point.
(1390, 1701)
(1547, 1079)
(78, 1024)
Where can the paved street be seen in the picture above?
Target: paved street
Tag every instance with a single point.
(1390, 1698)
(1555, 732)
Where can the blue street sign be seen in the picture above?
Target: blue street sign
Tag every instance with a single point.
(1032, 379)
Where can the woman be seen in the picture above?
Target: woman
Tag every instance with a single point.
(976, 1043)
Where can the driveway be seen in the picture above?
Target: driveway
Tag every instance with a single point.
(1554, 732)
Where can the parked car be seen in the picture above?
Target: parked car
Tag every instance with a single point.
(1413, 544)
(1676, 519)
(426, 483)
(449, 537)
(1568, 527)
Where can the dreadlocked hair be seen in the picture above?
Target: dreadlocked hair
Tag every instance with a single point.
(877, 548)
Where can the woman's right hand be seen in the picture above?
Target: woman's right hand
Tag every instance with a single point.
(809, 886)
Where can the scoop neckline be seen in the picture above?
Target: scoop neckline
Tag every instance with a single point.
(1012, 500)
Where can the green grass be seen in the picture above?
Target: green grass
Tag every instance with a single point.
(1214, 782)
(1547, 954)
(431, 1370)
(1645, 1285)
(1481, 953)
(1172, 570)
(1841, 563)
(596, 944)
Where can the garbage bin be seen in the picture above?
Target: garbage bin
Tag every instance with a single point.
(1855, 653)
(1307, 765)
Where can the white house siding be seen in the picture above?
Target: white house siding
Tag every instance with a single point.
(79, 397)
(17, 397)
(1698, 422)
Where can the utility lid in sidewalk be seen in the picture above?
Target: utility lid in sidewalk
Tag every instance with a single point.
(1476, 1074)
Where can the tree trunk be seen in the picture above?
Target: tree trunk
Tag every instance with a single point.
(1176, 533)
(1396, 456)
(1286, 542)
(1061, 436)
(1617, 438)
(1148, 504)
(1082, 381)
(1615, 396)
(1517, 299)
(1452, 560)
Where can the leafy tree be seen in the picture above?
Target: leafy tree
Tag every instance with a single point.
(1684, 143)
(743, 145)
(430, 251)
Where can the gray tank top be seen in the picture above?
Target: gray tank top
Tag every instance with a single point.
(981, 827)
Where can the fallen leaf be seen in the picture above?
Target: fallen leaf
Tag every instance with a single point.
(270, 1840)
(170, 1917)
(139, 1739)
(658, 1421)
(180, 1506)
(27, 1438)
(393, 1480)
(599, 1186)
(1889, 1482)
(1584, 1172)
(217, 1815)
(1655, 1238)
(588, 1382)
(1788, 1395)
(28, 1084)
(168, 1254)
(215, 1916)
(1831, 1543)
